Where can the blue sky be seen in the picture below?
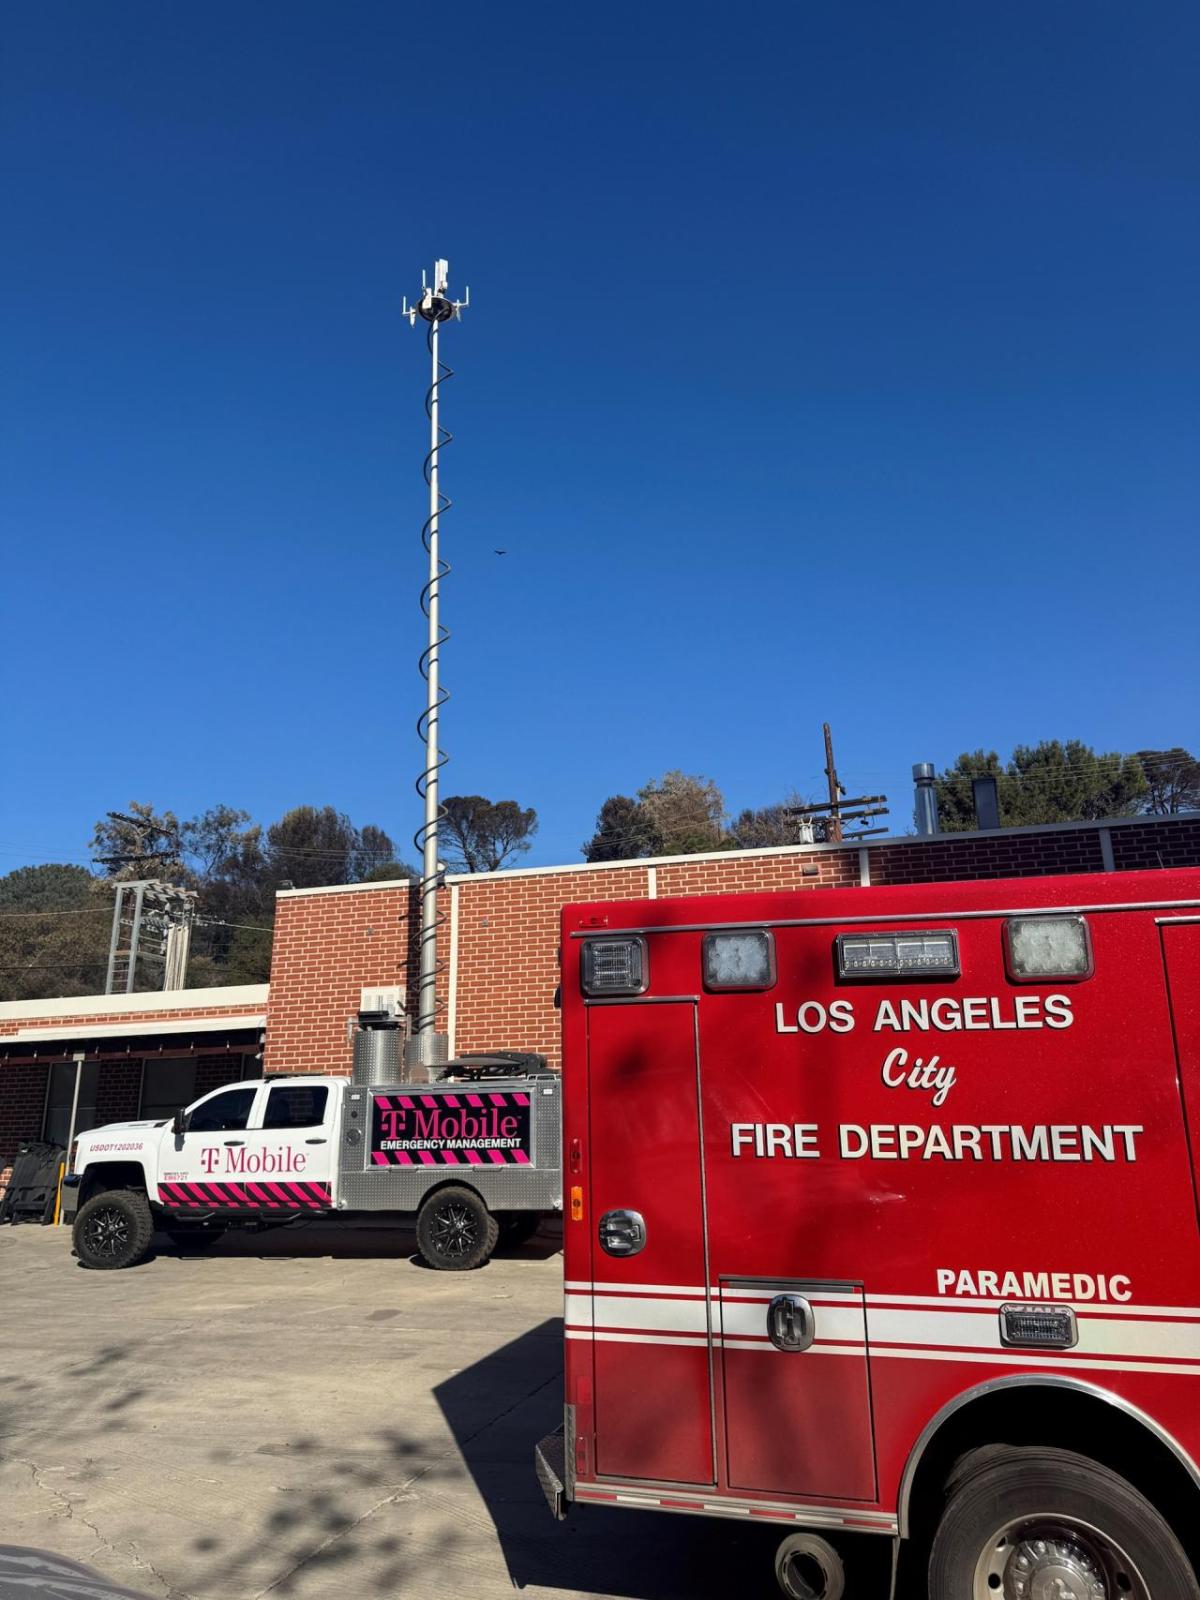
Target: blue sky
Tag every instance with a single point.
(823, 362)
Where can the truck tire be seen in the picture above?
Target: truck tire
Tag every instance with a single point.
(113, 1229)
(455, 1230)
(517, 1228)
(1040, 1521)
(193, 1239)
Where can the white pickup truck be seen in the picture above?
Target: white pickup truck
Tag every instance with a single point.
(476, 1156)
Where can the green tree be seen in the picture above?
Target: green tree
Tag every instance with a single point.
(313, 848)
(235, 867)
(54, 931)
(480, 835)
(1048, 782)
(625, 831)
(687, 811)
(140, 843)
(387, 870)
(760, 828)
(1173, 781)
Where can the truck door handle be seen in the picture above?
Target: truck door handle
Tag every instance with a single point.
(235, 1141)
(316, 1141)
(790, 1322)
(622, 1233)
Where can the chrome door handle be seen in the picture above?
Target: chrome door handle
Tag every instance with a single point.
(622, 1233)
(790, 1322)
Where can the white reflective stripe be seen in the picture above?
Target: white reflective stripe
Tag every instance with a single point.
(832, 1322)
(667, 1316)
(1083, 1308)
(767, 1348)
(697, 1341)
(817, 1296)
(1013, 1358)
(694, 1290)
(933, 1302)
(981, 1330)
(674, 1499)
(577, 1310)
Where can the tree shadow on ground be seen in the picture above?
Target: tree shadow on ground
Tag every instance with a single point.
(642, 1555)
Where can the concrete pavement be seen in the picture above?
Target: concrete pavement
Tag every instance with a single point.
(312, 1413)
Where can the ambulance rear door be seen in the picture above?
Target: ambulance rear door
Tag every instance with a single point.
(648, 1306)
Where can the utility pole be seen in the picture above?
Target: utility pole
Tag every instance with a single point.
(840, 810)
(434, 307)
(834, 825)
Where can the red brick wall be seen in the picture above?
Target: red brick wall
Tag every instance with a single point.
(507, 953)
(22, 1106)
(328, 946)
(1152, 845)
(118, 1090)
(951, 858)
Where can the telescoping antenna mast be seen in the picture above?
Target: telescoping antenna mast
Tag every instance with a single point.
(434, 307)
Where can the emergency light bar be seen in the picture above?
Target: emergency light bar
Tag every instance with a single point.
(898, 955)
(1037, 948)
(739, 960)
(614, 966)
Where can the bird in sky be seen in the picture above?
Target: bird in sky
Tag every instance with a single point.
(499, 552)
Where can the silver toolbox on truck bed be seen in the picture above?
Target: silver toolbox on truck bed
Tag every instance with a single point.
(501, 1137)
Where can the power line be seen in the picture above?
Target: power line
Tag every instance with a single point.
(92, 911)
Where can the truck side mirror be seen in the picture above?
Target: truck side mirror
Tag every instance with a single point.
(179, 1123)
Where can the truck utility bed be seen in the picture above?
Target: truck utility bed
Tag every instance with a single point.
(500, 1134)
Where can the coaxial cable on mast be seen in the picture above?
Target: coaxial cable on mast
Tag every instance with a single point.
(434, 307)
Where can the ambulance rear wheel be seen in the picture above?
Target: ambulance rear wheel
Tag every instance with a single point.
(1034, 1522)
(455, 1230)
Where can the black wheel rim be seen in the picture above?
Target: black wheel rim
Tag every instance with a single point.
(455, 1230)
(106, 1232)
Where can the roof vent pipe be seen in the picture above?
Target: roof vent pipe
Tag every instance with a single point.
(926, 803)
(986, 796)
(376, 1049)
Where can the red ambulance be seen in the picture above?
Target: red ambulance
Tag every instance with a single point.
(881, 1216)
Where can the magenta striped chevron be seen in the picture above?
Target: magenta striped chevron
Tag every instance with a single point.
(281, 1195)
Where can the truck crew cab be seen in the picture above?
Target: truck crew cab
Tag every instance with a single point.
(881, 1217)
(475, 1155)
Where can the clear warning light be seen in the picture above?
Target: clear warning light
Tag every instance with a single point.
(1047, 947)
(883, 955)
(743, 960)
(614, 966)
